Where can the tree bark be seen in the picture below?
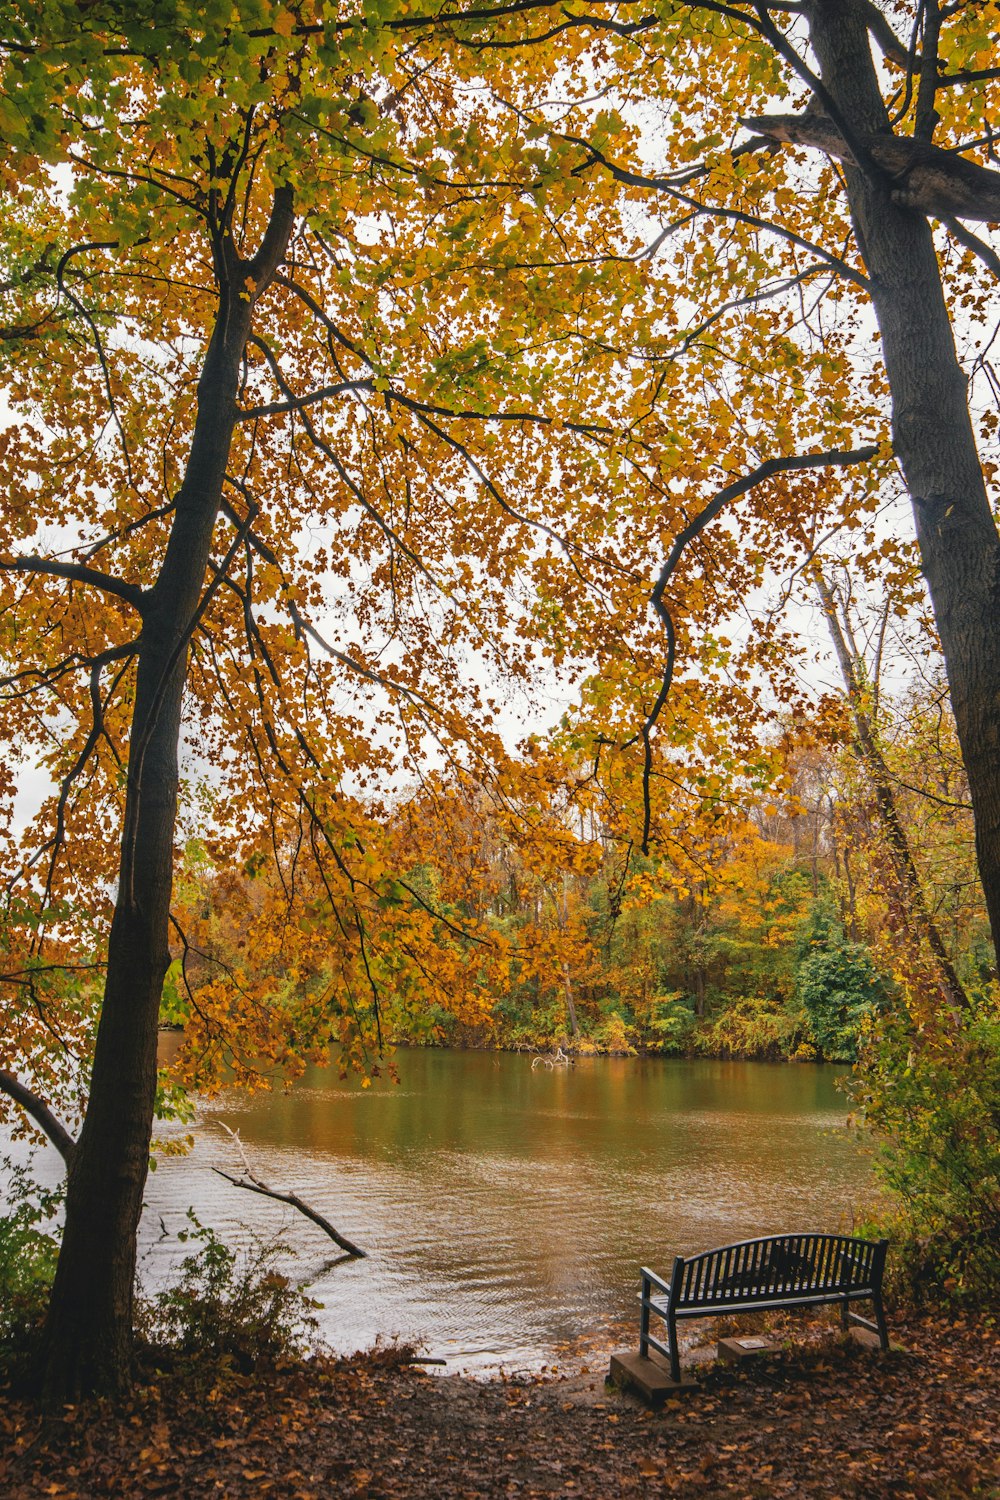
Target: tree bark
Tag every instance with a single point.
(940, 183)
(932, 429)
(88, 1334)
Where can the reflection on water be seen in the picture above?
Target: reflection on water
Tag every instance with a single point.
(507, 1210)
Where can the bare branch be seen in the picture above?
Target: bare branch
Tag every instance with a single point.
(670, 186)
(253, 1184)
(985, 252)
(88, 318)
(92, 548)
(869, 752)
(94, 735)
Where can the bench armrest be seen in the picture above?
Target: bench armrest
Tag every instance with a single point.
(651, 1278)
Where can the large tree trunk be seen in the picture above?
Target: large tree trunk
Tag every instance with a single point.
(88, 1335)
(932, 429)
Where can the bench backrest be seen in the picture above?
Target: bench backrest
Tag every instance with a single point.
(780, 1265)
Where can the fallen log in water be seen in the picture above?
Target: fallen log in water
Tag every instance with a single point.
(254, 1184)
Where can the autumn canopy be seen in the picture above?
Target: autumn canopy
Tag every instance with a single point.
(370, 366)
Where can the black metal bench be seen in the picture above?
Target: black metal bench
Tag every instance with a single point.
(783, 1270)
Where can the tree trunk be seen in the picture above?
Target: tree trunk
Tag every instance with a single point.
(567, 982)
(932, 429)
(88, 1333)
(866, 747)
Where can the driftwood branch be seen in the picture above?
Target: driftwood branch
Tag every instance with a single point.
(556, 1059)
(253, 1184)
(40, 1113)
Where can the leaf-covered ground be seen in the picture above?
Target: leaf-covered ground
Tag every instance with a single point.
(825, 1418)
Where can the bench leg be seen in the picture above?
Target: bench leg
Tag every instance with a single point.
(880, 1323)
(644, 1320)
(675, 1358)
(845, 1313)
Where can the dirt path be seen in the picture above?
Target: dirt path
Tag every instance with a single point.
(824, 1419)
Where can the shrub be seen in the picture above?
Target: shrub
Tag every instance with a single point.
(935, 1105)
(614, 1036)
(839, 987)
(28, 1256)
(753, 1027)
(229, 1309)
(668, 1023)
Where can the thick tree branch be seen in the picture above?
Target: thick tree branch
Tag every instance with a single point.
(76, 573)
(927, 117)
(264, 265)
(40, 1113)
(885, 38)
(940, 183)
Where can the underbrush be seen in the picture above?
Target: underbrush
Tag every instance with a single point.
(229, 1310)
(934, 1105)
(29, 1248)
(753, 1028)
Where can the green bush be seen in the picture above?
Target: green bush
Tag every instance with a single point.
(28, 1254)
(229, 1309)
(839, 987)
(668, 1024)
(934, 1104)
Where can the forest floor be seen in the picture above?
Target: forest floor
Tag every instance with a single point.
(823, 1418)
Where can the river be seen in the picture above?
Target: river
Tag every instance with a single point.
(507, 1209)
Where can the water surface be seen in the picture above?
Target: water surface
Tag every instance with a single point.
(506, 1210)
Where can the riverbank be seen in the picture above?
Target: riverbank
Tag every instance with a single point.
(824, 1419)
(726, 1037)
